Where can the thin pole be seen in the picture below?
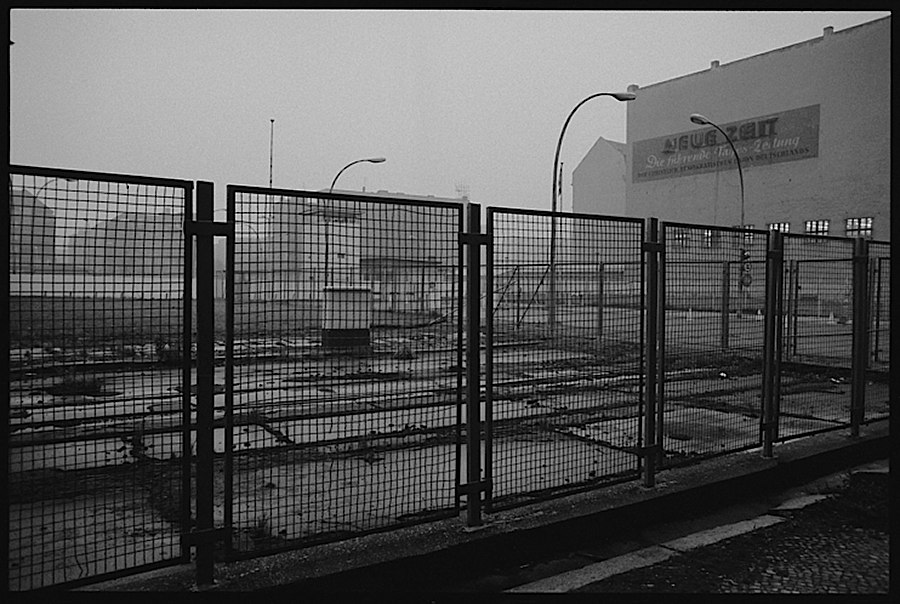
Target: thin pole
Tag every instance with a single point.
(271, 139)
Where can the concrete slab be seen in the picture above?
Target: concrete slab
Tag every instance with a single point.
(647, 556)
(798, 503)
(574, 579)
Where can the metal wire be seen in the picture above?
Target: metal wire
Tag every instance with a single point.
(96, 281)
(714, 301)
(347, 365)
(564, 392)
(817, 347)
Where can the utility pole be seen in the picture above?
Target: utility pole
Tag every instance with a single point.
(271, 138)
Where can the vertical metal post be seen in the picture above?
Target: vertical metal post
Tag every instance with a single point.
(5, 260)
(230, 264)
(489, 363)
(600, 277)
(796, 316)
(789, 303)
(661, 346)
(724, 308)
(187, 334)
(473, 370)
(651, 254)
(205, 324)
(771, 340)
(860, 335)
(876, 328)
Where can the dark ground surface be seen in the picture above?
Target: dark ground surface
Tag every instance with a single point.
(839, 545)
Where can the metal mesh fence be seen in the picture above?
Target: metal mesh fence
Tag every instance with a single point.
(714, 302)
(879, 294)
(817, 335)
(347, 366)
(877, 395)
(96, 313)
(564, 378)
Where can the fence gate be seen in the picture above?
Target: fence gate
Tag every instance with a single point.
(711, 324)
(343, 366)
(564, 352)
(98, 453)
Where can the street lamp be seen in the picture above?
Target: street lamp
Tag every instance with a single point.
(371, 160)
(745, 264)
(551, 310)
(703, 121)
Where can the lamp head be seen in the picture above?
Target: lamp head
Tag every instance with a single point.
(623, 96)
(376, 160)
(700, 120)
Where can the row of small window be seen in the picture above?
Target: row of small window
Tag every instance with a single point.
(853, 227)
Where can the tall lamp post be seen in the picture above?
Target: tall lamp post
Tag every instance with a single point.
(371, 160)
(551, 308)
(745, 280)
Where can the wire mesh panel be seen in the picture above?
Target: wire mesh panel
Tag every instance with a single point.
(879, 294)
(96, 455)
(714, 304)
(346, 366)
(877, 395)
(817, 334)
(565, 352)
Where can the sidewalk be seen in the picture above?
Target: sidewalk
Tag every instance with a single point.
(417, 558)
(823, 543)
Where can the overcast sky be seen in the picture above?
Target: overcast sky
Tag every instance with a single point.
(471, 98)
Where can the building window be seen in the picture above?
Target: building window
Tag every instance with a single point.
(784, 227)
(816, 227)
(681, 237)
(748, 237)
(859, 227)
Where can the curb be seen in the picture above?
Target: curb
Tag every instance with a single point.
(421, 557)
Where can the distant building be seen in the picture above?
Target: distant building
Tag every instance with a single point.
(405, 253)
(811, 123)
(598, 182)
(130, 243)
(32, 233)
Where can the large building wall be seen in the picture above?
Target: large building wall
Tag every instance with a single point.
(845, 74)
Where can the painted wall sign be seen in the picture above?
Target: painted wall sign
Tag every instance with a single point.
(771, 139)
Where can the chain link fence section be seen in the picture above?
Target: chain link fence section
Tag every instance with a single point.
(817, 335)
(347, 366)
(564, 375)
(879, 293)
(96, 409)
(877, 395)
(713, 301)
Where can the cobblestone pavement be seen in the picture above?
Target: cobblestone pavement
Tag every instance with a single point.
(838, 545)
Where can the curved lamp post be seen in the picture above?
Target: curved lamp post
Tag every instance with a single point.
(745, 265)
(371, 160)
(551, 310)
(704, 121)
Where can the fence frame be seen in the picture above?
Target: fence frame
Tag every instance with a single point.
(780, 328)
(188, 189)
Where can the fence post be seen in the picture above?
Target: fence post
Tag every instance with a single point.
(651, 249)
(488, 362)
(724, 308)
(205, 386)
(772, 340)
(860, 335)
(600, 276)
(204, 229)
(474, 485)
